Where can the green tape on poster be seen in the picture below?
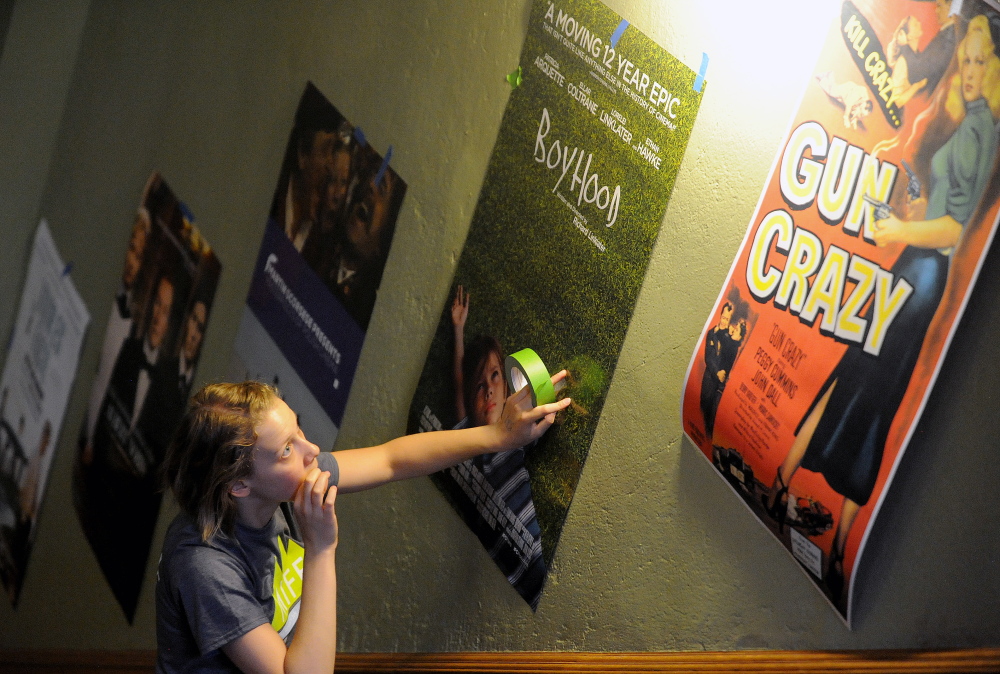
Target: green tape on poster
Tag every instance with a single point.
(525, 368)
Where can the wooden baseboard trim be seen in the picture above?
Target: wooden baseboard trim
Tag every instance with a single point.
(764, 662)
(784, 662)
(76, 662)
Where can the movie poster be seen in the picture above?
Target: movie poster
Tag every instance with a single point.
(41, 364)
(320, 264)
(571, 205)
(826, 339)
(151, 348)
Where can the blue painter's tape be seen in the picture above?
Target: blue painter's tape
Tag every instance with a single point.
(359, 136)
(700, 80)
(617, 35)
(383, 167)
(185, 211)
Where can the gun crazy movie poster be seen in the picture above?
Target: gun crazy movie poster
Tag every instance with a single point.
(826, 339)
(570, 208)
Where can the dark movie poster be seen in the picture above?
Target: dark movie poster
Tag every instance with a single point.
(575, 191)
(827, 337)
(320, 264)
(151, 348)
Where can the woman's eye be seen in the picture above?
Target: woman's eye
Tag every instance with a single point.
(287, 451)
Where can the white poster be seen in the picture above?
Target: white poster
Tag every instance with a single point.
(34, 389)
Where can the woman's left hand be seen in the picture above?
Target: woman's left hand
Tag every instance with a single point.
(314, 508)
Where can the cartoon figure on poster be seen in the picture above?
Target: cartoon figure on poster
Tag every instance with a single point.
(722, 345)
(851, 96)
(150, 351)
(921, 70)
(877, 283)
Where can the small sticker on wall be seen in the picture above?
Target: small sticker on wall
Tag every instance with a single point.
(808, 553)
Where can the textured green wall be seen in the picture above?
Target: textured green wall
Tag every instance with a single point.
(656, 554)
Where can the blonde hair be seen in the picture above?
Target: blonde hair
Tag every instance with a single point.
(213, 448)
(955, 104)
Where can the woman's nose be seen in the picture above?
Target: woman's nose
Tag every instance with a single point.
(312, 453)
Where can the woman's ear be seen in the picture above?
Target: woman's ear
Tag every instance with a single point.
(240, 488)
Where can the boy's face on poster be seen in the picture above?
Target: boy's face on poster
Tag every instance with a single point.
(973, 66)
(194, 331)
(941, 9)
(368, 216)
(160, 319)
(340, 180)
(315, 164)
(914, 32)
(727, 313)
(490, 392)
(736, 331)
(136, 248)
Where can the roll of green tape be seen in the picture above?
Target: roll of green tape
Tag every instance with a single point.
(525, 368)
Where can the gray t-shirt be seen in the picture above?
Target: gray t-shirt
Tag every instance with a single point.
(211, 593)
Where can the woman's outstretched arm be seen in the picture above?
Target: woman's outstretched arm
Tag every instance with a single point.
(426, 453)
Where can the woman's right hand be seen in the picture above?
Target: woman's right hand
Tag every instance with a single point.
(314, 508)
(522, 424)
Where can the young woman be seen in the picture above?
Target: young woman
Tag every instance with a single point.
(247, 584)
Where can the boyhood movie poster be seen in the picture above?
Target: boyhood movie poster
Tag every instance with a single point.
(826, 339)
(34, 389)
(570, 208)
(151, 349)
(317, 275)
